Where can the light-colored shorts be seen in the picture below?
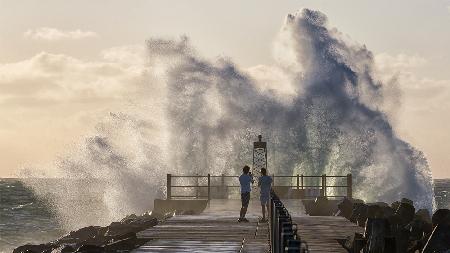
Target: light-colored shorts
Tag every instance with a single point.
(264, 199)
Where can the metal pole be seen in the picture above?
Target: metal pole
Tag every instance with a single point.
(298, 181)
(302, 182)
(196, 188)
(223, 188)
(349, 186)
(324, 185)
(209, 187)
(169, 186)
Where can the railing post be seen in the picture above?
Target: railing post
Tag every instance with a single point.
(302, 182)
(196, 186)
(209, 187)
(349, 186)
(169, 186)
(223, 188)
(324, 185)
(298, 182)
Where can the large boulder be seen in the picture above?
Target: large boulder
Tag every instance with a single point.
(441, 216)
(439, 240)
(407, 201)
(423, 215)
(322, 207)
(376, 232)
(359, 214)
(64, 248)
(125, 244)
(402, 236)
(374, 211)
(406, 212)
(91, 234)
(345, 208)
(121, 230)
(90, 249)
(353, 243)
(39, 248)
(387, 211)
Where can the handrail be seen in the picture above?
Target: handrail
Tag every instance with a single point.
(283, 232)
(299, 185)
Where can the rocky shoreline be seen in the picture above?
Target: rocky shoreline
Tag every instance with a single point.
(116, 237)
(397, 227)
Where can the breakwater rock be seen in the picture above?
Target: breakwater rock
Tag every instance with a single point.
(117, 237)
(397, 227)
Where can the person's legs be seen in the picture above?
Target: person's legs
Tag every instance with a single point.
(267, 208)
(264, 202)
(263, 211)
(245, 199)
(243, 211)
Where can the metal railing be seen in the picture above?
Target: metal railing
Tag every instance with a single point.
(323, 186)
(213, 186)
(283, 232)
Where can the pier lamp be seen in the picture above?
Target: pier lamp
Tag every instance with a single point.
(259, 156)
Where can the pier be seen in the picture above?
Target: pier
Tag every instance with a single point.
(215, 229)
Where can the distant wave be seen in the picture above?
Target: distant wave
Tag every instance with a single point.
(21, 206)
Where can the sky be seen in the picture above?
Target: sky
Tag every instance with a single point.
(66, 64)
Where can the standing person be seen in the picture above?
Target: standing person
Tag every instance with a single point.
(245, 180)
(265, 182)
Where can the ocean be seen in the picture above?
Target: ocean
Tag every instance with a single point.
(26, 219)
(23, 217)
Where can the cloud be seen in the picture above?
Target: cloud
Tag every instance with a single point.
(399, 62)
(129, 54)
(53, 34)
(420, 94)
(59, 77)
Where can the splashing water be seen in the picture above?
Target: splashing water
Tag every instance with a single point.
(320, 108)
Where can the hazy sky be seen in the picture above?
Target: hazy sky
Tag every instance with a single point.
(63, 64)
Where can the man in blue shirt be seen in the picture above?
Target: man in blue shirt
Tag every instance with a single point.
(265, 182)
(245, 180)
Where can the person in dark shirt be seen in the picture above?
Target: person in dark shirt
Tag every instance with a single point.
(245, 180)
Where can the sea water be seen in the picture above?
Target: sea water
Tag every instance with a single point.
(23, 217)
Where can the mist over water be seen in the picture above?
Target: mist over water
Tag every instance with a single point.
(321, 109)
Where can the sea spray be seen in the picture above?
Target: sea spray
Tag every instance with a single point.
(114, 173)
(328, 116)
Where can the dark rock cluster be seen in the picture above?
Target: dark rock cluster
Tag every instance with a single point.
(396, 228)
(117, 237)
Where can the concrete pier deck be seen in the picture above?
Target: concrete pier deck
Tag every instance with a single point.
(217, 230)
(321, 232)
